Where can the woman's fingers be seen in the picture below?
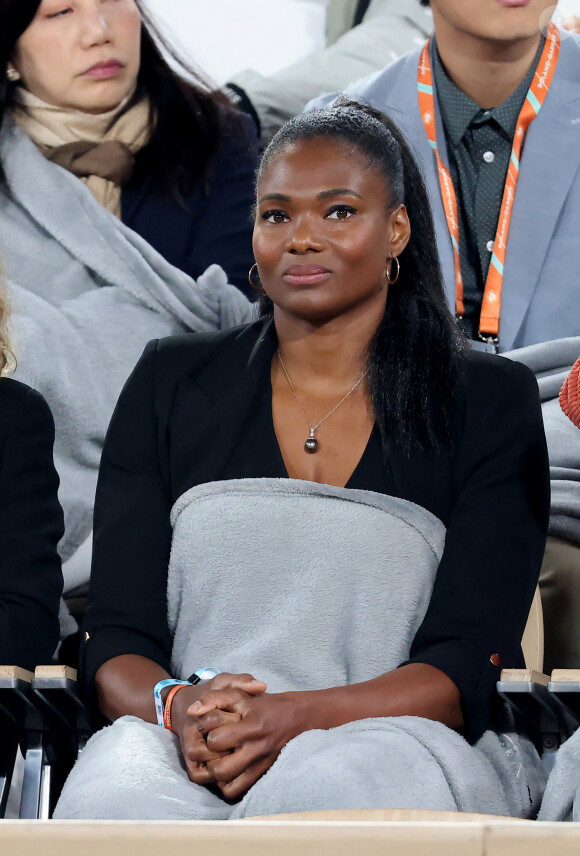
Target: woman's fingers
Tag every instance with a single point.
(216, 719)
(231, 766)
(239, 786)
(227, 699)
(196, 755)
(225, 691)
(247, 683)
(217, 708)
(231, 735)
(224, 739)
(199, 774)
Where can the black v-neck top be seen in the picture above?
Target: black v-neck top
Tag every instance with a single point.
(198, 408)
(257, 453)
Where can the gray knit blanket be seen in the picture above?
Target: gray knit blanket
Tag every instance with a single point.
(88, 294)
(551, 362)
(305, 586)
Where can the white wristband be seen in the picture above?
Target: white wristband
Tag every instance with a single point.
(157, 689)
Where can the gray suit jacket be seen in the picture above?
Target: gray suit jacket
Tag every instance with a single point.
(541, 290)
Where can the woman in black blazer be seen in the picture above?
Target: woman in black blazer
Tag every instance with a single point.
(355, 384)
(31, 523)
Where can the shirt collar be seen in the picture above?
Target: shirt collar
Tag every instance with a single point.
(458, 111)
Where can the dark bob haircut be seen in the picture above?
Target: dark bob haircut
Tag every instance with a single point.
(415, 355)
(189, 116)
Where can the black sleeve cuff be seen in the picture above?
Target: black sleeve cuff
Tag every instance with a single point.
(473, 674)
(101, 645)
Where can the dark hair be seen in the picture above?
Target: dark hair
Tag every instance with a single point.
(424, 2)
(189, 116)
(414, 356)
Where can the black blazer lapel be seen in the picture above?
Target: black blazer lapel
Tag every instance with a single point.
(216, 402)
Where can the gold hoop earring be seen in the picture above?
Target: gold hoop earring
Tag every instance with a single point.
(11, 74)
(393, 280)
(257, 286)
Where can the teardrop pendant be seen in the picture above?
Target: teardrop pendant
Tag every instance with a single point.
(311, 445)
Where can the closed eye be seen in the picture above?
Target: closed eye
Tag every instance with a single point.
(60, 14)
(340, 212)
(275, 216)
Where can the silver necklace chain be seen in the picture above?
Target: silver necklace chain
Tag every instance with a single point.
(313, 447)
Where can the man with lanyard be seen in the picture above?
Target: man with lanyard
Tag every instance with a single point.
(491, 107)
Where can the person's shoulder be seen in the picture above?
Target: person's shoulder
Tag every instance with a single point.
(239, 134)
(21, 407)
(491, 378)
(190, 352)
(403, 69)
(570, 43)
(15, 394)
(567, 74)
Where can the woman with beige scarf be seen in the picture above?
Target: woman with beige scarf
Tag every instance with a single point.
(120, 184)
(88, 84)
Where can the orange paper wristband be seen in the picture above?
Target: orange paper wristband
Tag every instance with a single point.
(168, 702)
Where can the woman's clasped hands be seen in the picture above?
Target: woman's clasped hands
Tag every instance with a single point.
(233, 731)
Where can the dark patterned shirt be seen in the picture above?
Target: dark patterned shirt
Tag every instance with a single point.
(479, 144)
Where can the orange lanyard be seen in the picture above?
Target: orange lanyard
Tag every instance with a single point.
(490, 307)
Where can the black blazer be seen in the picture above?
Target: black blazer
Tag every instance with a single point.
(31, 525)
(176, 425)
(211, 226)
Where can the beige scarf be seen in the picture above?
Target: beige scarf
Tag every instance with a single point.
(96, 148)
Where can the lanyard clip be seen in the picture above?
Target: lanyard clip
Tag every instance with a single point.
(491, 342)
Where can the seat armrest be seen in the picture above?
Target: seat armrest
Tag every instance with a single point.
(565, 686)
(17, 699)
(15, 713)
(57, 688)
(529, 677)
(526, 691)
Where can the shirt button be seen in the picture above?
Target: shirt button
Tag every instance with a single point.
(488, 157)
(489, 246)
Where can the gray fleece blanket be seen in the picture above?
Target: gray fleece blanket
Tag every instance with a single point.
(87, 295)
(562, 797)
(551, 362)
(305, 586)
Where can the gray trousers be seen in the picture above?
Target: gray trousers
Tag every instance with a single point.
(560, 590)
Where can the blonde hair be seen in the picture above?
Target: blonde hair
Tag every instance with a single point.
(7, 358)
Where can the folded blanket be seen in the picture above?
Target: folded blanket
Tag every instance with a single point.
(551, 362)
(305, 586)
(328, 587)
(88, 294)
